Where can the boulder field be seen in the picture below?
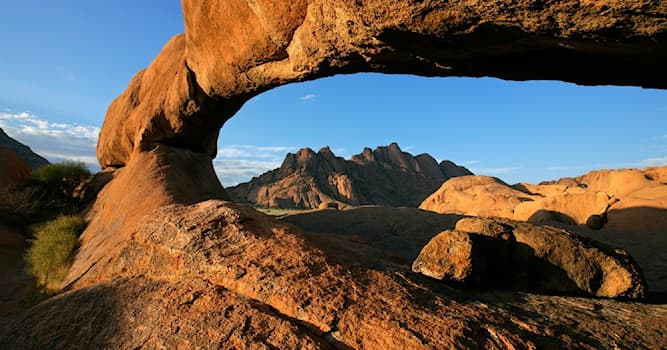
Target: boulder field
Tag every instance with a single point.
(165, 263)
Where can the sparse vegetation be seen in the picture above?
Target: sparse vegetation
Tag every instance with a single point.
(53, 248)
(61, 180)
(44, 207)
(50, 191)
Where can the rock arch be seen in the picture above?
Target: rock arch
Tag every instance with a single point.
(162, 131)
(233, 50)
(191, 265)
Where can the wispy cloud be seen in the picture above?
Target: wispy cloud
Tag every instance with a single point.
(658, 161)
(65, 73)
(494, 171)
(239, 163)
(308, 97)
(564, 167)
(469, 162)
(54, 141)
(578, 168)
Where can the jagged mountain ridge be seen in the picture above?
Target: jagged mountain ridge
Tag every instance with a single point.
(385, 176)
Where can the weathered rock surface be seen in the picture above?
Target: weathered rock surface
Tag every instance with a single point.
(33, 159)
(234, 50)
(611, 200)
(215, 274)
(476, 196)
(386, 176)
(163, 176)
(506, 254)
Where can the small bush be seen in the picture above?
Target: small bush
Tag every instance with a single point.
(53, 249)
(61, 179)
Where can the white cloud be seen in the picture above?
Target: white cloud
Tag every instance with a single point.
(58, 141)
(309, 97)
(254, 152)
(235, 171)
(54, 141)
(239, 163)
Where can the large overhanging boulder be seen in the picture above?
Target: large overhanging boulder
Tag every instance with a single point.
(233, 50)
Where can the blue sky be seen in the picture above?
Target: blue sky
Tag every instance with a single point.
(64, 62)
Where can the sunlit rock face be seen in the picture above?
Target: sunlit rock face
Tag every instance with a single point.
(233, 50)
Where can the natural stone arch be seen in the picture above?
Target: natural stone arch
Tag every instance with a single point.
(234, 50)
(162, 131)
(149, 263)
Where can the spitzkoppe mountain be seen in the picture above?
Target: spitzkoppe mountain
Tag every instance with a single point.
(384, 176)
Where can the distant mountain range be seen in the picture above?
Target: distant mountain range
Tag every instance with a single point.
(385, 176)
(33, 159)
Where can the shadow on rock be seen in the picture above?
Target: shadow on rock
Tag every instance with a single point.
(372, 236)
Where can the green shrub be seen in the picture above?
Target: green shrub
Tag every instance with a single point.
(61, 179)
(53, 249)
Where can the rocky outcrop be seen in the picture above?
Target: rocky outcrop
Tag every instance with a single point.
(612, 200)
(476, 196)
(386, 176)
(493, 253)
(221, 275)
(33, 159)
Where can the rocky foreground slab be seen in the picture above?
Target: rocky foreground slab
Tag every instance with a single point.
(221, 275)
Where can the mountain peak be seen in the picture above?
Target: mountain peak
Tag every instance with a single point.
(394, 147)
(325, 150)
(386, 176)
